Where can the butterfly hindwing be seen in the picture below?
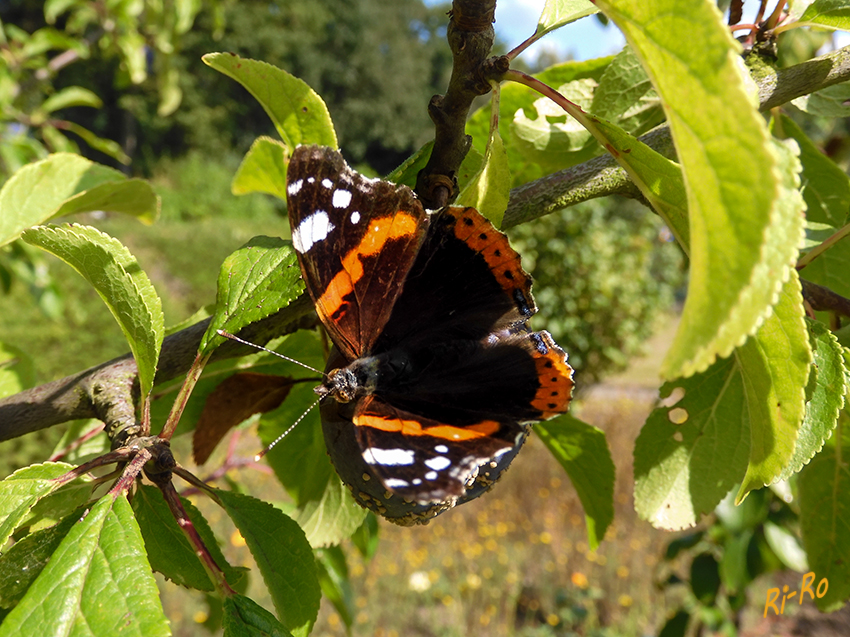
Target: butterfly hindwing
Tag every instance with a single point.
(426, 460)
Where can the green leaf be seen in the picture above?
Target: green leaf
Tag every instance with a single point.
(406, 173)
(489, 191)
(116, 276)
(705, 578)
(134, 55)
(366, 537)
(828, 374)
(583, 453)
(786, 546)
(24, 561)
(59, 504)
(17, 371)
(43, 40)
(513, 98)
(54, 8)
(775, 368)
(824, 494)
(834, 14)
(826, 187)
(690, 453)
(734, 571)
(82, 440)
(828, 102)
(336, 586)
(169, 551)
(625, 95)
(133, 197)
(740, 415)
(826, 190)
(677, 625)
(659, 179)
(557, 13)
(44, 189)
(243, 617)
(716, 130)
(20, 492)
(298, 113)
(254, 282)
(263, 169)
(71, 96)
(408, 170)
(107, 147)
(283, 556)
(98, 582)
(548, 134)
(168, 85)
(330, 516)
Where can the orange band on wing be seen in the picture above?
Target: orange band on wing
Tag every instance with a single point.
(414, 428)
(479, 234)
(380, 231)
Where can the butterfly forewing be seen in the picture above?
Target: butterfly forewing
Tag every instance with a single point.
(356, 239)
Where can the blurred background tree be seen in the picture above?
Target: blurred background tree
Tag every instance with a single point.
(375, 62)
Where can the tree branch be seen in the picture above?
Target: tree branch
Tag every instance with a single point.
(107, 391)
(822, 299)
(602, 176)
(470, 36)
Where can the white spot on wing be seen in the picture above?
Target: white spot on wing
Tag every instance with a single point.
(311, 230)
(295, 187)
(355, 217)
(327, 183)
(388, 457)
(311, 180)
(441, 449)
(393, 483)
(341, 199)
(438, 463)
(431, 475)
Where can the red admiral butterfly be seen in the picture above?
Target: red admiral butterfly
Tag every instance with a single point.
(436, 375)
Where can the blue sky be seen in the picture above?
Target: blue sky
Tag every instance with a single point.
(584, 39)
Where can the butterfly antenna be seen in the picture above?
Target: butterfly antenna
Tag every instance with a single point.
(285, 433)
(270, 351)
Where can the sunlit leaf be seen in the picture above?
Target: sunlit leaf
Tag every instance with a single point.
(583, 453)
(263, 169)
(98, 577)
(63, 184)
(732, 212)
(298, 113)
(119, 280)
(254, 282)
(283, 556)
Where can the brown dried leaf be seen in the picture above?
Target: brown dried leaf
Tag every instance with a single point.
(235, 399)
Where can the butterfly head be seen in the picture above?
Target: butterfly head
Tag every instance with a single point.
(345, 384)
